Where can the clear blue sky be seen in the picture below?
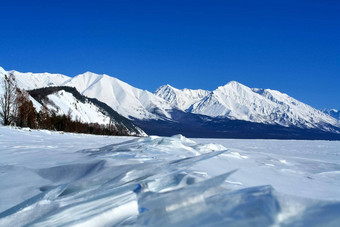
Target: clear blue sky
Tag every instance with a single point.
(291, 46)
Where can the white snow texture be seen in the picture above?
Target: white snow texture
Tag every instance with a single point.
(234, 100)
(62, 179)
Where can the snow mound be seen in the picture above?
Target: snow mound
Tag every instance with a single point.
(151, 147)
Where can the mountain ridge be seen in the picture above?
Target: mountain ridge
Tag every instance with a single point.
(332, 112)
(233, 101)
(237, 101)
(63, 99)
(124, 98)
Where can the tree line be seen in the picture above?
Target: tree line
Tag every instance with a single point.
(17, 109)
(40, 95)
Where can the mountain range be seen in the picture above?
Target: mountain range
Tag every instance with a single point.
(233, 110)
(43, 90)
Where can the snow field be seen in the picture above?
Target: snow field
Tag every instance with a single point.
(58, 179)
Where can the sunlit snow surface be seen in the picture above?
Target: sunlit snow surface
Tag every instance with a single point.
(53, 179)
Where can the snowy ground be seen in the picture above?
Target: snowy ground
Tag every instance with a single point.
(53, 179)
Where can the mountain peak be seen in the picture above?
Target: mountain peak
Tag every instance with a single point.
(233, 86)
(234, 83)
(95, 77)
(180, 98)
(168, 86)
(89, 74)
(165, 88)
(233, 100)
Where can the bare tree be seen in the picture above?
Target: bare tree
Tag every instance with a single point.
(7, 99)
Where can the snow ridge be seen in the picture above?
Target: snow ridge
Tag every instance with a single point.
(68, 101)
(63, 102)
(129, 101)
(29, 81)
(233, 100)
(333, 113)
(181, 98)
(237, 101)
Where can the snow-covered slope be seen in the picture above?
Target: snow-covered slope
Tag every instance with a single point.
(233, 100)
(181, 98)
(63, 102)
(53, 179)
(122, 97)
(237, 101)
(25, 80)
(2, 72)
(299, 113)
(30, 80)
(333, 113)
(67, 100)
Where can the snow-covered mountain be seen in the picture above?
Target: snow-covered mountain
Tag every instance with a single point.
(182, 99)
(62, 102)
(129, 101)
(237, 101)
(30, 80)
(333, 113)
(232, 101)
(68, 101)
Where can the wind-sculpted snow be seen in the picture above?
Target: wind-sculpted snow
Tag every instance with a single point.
(84, 180)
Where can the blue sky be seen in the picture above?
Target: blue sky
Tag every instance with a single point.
(291, 46)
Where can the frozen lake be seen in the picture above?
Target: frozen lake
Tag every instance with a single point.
(54, 179)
